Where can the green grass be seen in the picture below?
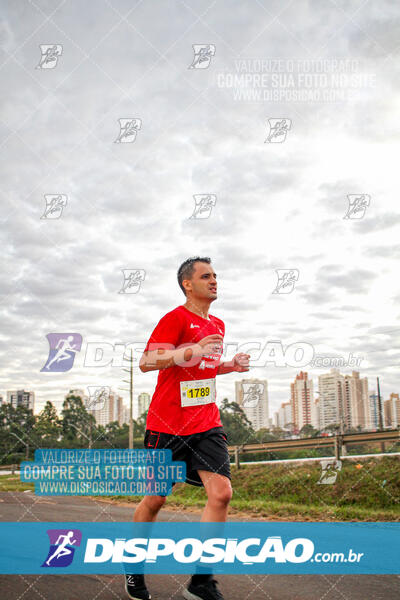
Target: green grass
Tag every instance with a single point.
(291, 492)
(12, 483)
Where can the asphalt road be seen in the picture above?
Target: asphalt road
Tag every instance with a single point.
(19, 506)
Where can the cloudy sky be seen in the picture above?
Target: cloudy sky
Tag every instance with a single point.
(279, 204)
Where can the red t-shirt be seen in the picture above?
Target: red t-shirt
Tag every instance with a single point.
(183, 327)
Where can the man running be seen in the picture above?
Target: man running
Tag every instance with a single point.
(186, 348)
(63, 352)
(62, 549)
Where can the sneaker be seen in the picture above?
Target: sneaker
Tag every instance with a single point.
(136, 587)
(203, 591)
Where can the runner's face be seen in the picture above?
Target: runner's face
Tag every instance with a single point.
(203, 282)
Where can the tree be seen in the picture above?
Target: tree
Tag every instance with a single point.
(308, 431)
(16, 430)
(332, 428)
(77, 423)
(139, 426)
(279, 433)
(115, 435)
(112, 435)
(236, 425)
(48, 426)
(264, 435)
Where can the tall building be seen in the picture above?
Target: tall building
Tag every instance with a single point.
(373, 411)
(252, 397)
(356, 402)
(1, 400)
(285, 416)
(316, 414)
(143, 404)
(21, 398)
(125, 414)
(116, 408)
(302, 401)
(391, 411)
(331, 392)
(344, 400)
(111, 410)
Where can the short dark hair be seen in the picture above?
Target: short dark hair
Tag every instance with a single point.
(186, 269)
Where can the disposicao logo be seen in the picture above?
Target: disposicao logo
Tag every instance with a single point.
(189, 550)
(62, 547)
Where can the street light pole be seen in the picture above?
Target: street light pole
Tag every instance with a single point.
(382, 444)
(131, 401)
(130, 381)
(379, 405)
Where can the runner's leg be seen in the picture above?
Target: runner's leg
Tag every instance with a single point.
(219, 493)
(148, 509)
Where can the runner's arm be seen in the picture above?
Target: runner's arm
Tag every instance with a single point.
(164, 358)
(226, 367)
(239, 363)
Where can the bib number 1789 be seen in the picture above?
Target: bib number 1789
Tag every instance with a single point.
(198, 392)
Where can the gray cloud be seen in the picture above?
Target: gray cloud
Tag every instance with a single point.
(379, 223)
(384, 251)
(353, 281)
(129, 204)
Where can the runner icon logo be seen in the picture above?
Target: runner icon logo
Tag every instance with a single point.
(286, 280)
(278, 129)
(50, 54)
(330, 471)
(252, 394)
(55, 203)
(203, 54)
(63, 347)
(358, 204)
(204, 204)
(132, 280)
(128, 129)
(62, 547)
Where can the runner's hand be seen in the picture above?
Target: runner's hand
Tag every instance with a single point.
(241, 362)
(209, 345)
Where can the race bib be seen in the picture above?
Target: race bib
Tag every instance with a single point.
(197, 392)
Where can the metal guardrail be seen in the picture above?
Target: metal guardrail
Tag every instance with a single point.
(11, 468)
(338, 441)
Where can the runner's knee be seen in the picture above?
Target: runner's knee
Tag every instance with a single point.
(221, 494)
(154, 503)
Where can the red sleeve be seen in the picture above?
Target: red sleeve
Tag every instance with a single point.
(166, 333)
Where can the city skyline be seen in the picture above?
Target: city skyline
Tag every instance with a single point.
(276, 381)
(303, 407)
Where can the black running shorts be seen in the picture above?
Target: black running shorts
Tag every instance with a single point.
(207, 451)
